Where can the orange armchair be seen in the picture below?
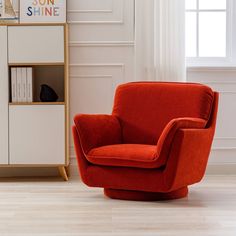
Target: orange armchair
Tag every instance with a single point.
(156, 142)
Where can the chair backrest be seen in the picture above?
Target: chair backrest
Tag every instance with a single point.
(144, 108)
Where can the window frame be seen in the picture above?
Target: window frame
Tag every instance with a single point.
(229, 59)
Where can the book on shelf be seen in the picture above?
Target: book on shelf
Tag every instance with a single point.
(18, 84)
(29, 84)
(13, 85)
(22, 84)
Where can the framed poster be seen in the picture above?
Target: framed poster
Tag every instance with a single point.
(7, 13)
(2, 8)
(42, 11)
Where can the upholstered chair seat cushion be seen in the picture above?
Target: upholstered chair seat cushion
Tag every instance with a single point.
(129, 155)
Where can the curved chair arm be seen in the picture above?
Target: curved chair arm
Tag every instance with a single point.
(189, 153)
(97, 130)
(82, 161)
(166, 138)
(188, 157)
(165, 141)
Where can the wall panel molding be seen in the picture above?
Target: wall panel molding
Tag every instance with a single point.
(224, 148)
(91, 76)
(217, 82)
(113, 14)
(90, 11)
(74, 4)
(101, 43)
(119, 22)
(221, 79)
(99, 65)
(98, 82)
(104, 65)
(224, 143)
(225, 138)
(212, 69)
(101, 23)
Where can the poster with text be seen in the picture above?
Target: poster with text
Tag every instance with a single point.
(42, 11)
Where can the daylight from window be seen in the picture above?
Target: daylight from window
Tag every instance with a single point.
(206, 29)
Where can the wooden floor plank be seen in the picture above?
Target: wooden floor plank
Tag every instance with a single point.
(51, 207)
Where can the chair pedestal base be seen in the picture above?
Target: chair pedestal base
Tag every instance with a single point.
(145, 196)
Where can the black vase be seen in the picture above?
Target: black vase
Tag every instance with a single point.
(47, 94)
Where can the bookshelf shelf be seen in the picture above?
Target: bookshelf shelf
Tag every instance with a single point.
(36, 64)
(35, 103)
(52, 75)
(33, 132)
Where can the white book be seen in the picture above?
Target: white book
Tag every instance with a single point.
(29, 83)
(23, 84)
(18, 84)
(13, 85)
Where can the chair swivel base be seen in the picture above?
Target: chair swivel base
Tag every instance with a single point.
(145, 196)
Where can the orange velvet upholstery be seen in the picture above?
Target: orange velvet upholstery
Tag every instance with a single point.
(144, 109)
(156, 142)
(130, 155)
(97, 130)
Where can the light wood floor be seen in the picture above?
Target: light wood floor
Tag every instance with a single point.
(30, 207)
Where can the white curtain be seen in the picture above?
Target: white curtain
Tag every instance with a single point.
(160, 40)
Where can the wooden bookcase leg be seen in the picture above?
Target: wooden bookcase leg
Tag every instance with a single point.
(63, 173)
(68, 171)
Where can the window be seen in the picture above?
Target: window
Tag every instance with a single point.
(208, 33)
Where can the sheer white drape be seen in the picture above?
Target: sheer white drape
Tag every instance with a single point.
(160, 40)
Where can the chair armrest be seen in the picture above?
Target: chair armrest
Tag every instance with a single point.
(97, 130)
(166, 138)
(188, 157)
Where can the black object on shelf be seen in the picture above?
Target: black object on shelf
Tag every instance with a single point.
(47, 94)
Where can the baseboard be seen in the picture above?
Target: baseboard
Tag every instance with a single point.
(221, 169)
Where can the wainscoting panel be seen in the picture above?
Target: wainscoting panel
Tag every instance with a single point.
(113, 20)
(92, 89)
(96, 11)
(222, 80)
(101, 54)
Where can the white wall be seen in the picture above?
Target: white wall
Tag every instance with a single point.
(223, 80)
(102, 56)
(101, 53)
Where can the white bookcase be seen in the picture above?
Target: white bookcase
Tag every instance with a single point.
(34, 134)
(3, 97)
